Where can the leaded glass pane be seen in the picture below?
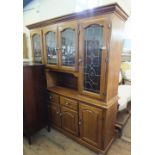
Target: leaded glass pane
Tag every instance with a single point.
(37, 48)
(68, 47)
(93, 43)
(51, 48)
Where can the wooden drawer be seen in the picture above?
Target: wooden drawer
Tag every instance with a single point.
(53, 98)
(73, 104)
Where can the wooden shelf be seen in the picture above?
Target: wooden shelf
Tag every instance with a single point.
(74, 94)
(76, 74)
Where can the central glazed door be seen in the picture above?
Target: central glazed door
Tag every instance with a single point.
(90, 122)
(92, 58)
(68, 46)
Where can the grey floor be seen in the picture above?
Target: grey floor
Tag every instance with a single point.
(55, 143)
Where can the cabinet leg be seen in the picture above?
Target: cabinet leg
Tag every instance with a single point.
(29, 140)
(48, 128)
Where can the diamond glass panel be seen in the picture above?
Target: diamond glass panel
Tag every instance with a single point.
(68, 47)
(36, 48)
(93, 43)
(51, 48)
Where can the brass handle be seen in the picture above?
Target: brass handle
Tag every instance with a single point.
(60, 114)
(80, 122)
(51, 97)
(80, 60)
(57, 112)
(67, 103)
(57, 48)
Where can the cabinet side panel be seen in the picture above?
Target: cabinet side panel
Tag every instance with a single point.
(116, 44)
(109, 125)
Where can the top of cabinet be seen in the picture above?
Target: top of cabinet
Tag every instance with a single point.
(106, 9)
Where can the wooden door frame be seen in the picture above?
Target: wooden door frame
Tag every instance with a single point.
(62, 27)
(52, 28)
(83, 25)
(63, 108)
(98, 112)
(32, 33)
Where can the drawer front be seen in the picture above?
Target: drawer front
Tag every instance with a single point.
(53, 98)
(73, 104)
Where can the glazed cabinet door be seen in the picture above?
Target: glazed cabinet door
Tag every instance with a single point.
(69, 120)
(92, 58)
(36, 44)
(50, 46)
(55, 115)
(68, 46)
(90, 122)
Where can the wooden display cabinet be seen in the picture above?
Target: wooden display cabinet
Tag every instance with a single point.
(82, 53)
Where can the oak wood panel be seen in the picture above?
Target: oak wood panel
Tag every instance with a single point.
(69, 120)
(55, 115)
(109, 125)
(90, 120)
(73, 104)
(102, 10)
(116, 44)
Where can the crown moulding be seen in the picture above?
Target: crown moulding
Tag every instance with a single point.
(111, 8)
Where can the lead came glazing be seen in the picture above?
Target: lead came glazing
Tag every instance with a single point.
(68, 47)
(51, 48)
(93, 43)
(37, 48)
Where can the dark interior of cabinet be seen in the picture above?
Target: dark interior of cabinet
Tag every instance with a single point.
(61, 79)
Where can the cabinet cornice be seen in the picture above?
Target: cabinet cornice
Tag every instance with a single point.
(107, 9)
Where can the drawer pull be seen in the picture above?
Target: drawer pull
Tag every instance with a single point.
(60, 114)
(57, 112)
(51, 97)
(67, 103)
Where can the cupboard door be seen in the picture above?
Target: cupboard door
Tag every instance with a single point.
(50, 47)
(69, 120)
(55, 115)
(36, 43)
(92, 57)
(90, 121)
(68, 46)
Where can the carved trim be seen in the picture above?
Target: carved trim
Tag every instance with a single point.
(111, 8)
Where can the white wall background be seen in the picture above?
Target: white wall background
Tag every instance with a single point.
(39, 10)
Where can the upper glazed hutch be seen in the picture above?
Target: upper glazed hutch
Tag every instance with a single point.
(82, 54)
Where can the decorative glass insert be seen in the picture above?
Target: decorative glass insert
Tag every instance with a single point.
(68, 47)
(93, 43)
(51, 48)
(37, 48)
